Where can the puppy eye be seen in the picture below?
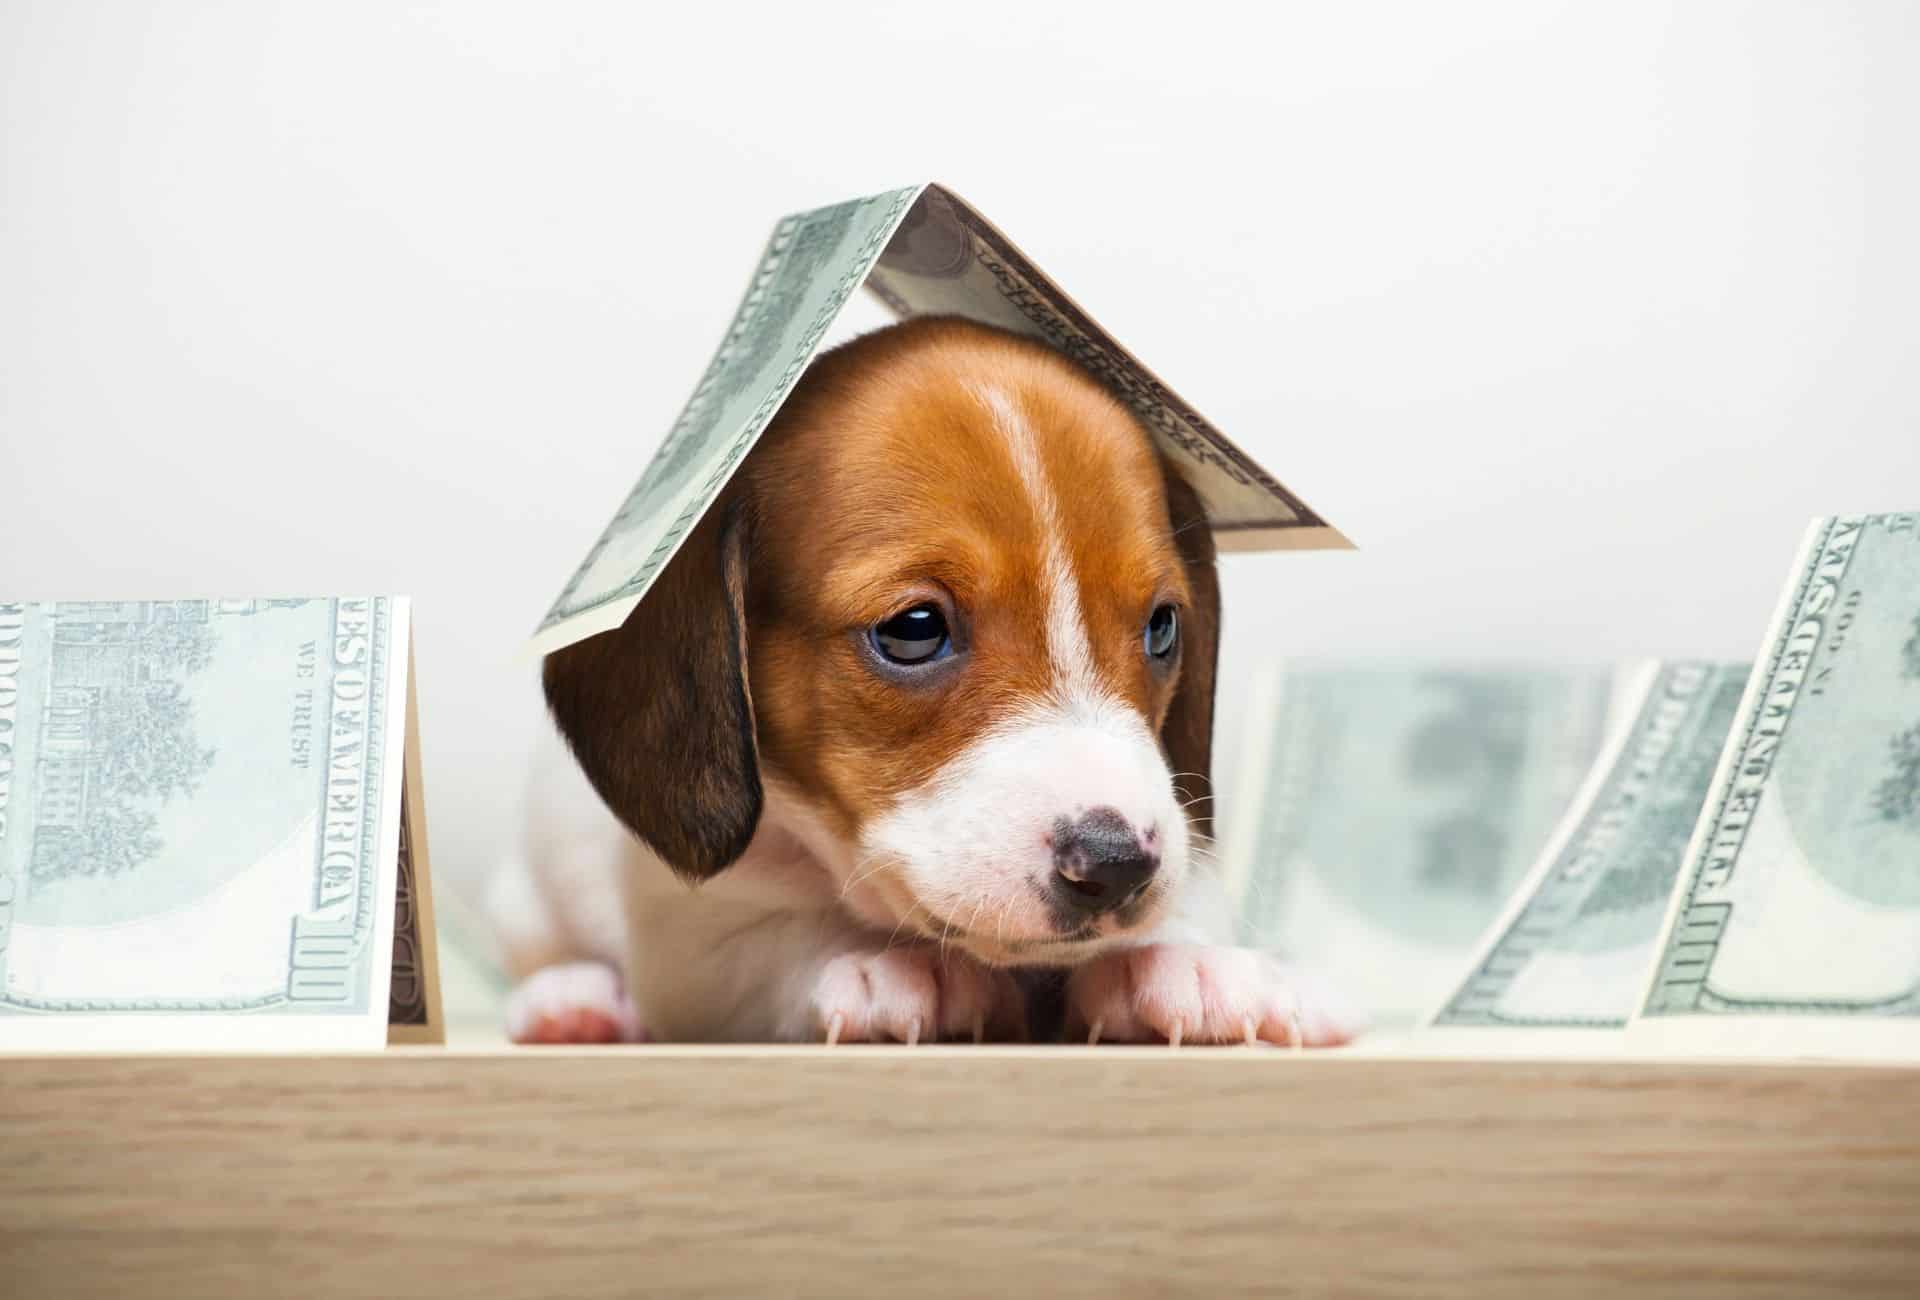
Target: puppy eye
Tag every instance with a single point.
(914, 636)
(1163, 632)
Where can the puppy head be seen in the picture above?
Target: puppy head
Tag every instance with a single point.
(957, 619)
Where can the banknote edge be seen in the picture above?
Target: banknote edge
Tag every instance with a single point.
(392, 785)
(558, 629)
(1743, 718)
(413, 801)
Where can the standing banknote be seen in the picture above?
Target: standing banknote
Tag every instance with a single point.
(920, 250)
(210, 831)
(1384, 814)
(1564, 965)
(1795, 926)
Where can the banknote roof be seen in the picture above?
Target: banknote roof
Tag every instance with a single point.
(919, 250)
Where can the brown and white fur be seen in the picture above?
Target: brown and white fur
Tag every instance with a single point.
(767, 830)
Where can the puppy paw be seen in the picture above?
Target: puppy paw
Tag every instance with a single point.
(1175, 993)
(914, 994)
(579, 1002)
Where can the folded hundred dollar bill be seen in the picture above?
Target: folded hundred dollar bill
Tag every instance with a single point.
(1563, 966)
(211, 833)
(920, 250)
(1794, 926)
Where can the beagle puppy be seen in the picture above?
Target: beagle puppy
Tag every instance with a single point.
(914, 728)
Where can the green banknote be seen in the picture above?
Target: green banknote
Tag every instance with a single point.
(920, 250)
(200, 825)
(1795, 924)
(1565, 963)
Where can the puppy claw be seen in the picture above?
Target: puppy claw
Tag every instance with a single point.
(912, 995)
(1252, 1031)
(1093, 1032)
(1173, 1035)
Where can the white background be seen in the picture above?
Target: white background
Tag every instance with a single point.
(1570, 315)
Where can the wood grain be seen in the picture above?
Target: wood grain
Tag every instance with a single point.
(952, 1171)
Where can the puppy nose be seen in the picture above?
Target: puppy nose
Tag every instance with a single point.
(1098, 862)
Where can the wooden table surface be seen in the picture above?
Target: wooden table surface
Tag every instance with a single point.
(952, 1171)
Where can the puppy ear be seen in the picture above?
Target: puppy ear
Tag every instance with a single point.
(658, 711)
(1187, 734)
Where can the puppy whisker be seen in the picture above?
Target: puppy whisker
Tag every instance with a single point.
(905, 917)
(884, 861)
(974, 915)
